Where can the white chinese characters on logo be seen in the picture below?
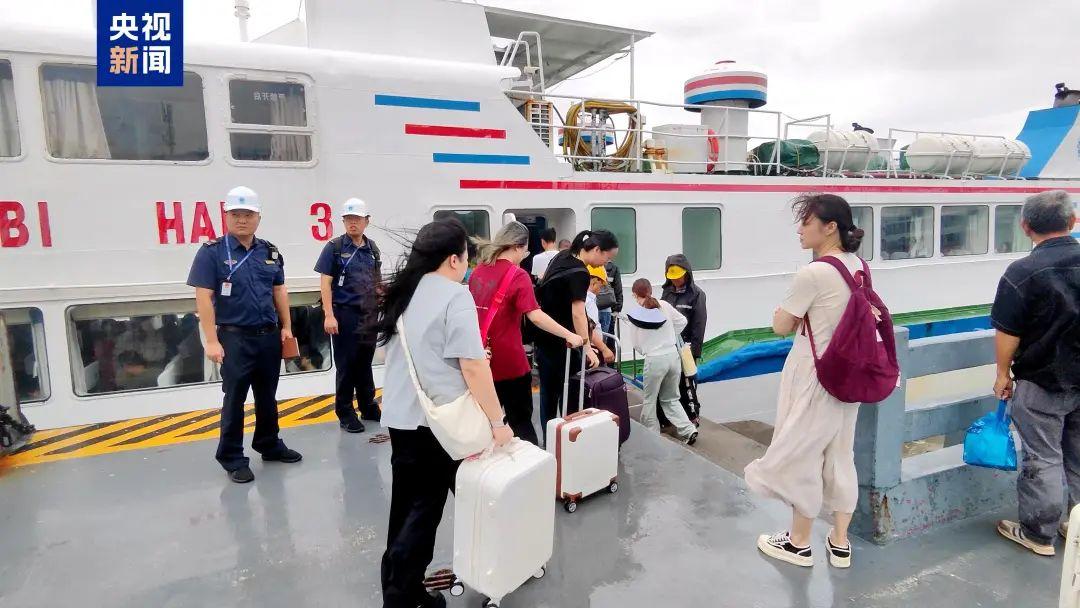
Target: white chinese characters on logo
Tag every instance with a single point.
(123, 25)
(155, 59)
(156, 26)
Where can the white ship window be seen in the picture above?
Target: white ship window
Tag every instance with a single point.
(10, 145)
(270, 121)
(1009, 237)
(122, 123)
(622, 222)
(26, 341)
(965, 230)
(130, 346)
(476, 221)
(907, 232)
(701, 237)
(864, 218)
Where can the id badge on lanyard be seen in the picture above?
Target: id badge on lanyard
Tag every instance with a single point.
(226, 285)
(341, 277)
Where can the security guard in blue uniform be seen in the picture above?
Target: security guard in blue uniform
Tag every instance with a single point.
(350, 267)
(243, 307)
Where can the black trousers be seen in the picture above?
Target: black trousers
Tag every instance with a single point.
(251, 361)
(551, 367)
(423, 473)
(354, 348)
(515, 395)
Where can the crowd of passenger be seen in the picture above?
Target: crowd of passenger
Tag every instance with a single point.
(462, 316)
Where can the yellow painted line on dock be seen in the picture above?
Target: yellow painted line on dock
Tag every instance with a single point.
(158, 431)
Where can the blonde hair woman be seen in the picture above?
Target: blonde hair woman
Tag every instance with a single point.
(504, 294)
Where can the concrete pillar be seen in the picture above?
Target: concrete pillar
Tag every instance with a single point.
(879, 433)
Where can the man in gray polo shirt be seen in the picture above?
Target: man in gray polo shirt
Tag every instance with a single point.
(1037, 317)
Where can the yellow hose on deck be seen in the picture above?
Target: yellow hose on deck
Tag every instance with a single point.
(573, 144)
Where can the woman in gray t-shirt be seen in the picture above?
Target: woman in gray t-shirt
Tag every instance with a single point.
(439, 318)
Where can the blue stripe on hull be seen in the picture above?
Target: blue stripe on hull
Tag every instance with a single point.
(480, 159)
(427, 102)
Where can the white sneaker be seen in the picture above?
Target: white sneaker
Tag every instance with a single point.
(839, 557)
(779, 546)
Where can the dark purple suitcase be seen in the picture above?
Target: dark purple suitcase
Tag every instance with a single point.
(605, 389)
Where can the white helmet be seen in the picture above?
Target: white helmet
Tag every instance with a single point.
(354, 206)
(242, 197)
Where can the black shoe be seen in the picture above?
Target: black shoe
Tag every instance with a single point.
(353, 426)
(374, 414)
(242, 475)
(691, 439)
(434, 600)
(285, 455)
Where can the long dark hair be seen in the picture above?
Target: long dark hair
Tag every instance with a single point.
(433, 244)
(591, 239)
(830, 208)
(642, 288)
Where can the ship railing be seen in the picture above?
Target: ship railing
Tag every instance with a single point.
(882, 163)
(530, 70)
(967, 160)
(637, 158)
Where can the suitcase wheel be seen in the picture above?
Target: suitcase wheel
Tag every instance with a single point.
(614, 487)
(540, 573)
(570, 506)
(458, 588)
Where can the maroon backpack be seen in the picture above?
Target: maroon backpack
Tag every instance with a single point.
(859, 366)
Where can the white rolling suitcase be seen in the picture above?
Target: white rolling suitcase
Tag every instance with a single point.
(504, 519)
(1070, 568)
(586, 449)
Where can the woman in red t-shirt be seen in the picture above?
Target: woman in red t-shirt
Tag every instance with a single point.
(499, 271)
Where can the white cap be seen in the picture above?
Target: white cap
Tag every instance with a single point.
(242, 197)
(355, 206)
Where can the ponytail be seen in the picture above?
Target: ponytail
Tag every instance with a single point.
(588, 240)
(642, 288)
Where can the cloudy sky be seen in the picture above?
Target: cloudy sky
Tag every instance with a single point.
(974, 66)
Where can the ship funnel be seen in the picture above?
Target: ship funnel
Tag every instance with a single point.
(726, 89)
(1053, 135)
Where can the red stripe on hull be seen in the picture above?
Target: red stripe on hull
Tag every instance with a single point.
(445, 131)
(499, 184)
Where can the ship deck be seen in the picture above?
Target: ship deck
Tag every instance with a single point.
(162, 526)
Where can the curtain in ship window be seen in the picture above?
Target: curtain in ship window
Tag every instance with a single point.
(1009, 237)
(72, 115)
(907, 232)
(965, 230)
(288, 110)
(9, 123)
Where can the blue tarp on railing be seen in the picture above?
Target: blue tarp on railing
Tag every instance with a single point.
(768, 357)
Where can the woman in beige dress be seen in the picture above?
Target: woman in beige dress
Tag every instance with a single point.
(810, 463)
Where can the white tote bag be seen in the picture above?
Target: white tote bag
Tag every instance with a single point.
(461, 426)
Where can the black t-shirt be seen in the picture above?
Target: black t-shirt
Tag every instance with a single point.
(566, 281)
(1038, 300)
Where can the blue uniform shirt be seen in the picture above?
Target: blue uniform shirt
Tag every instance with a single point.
(359, 266)
(251, 303)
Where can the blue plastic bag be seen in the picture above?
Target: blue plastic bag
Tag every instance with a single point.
(989, 443)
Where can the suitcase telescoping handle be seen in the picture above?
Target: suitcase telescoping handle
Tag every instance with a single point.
(618, 348)
(566, 382)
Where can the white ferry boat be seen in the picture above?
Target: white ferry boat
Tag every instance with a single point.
(105, 194)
